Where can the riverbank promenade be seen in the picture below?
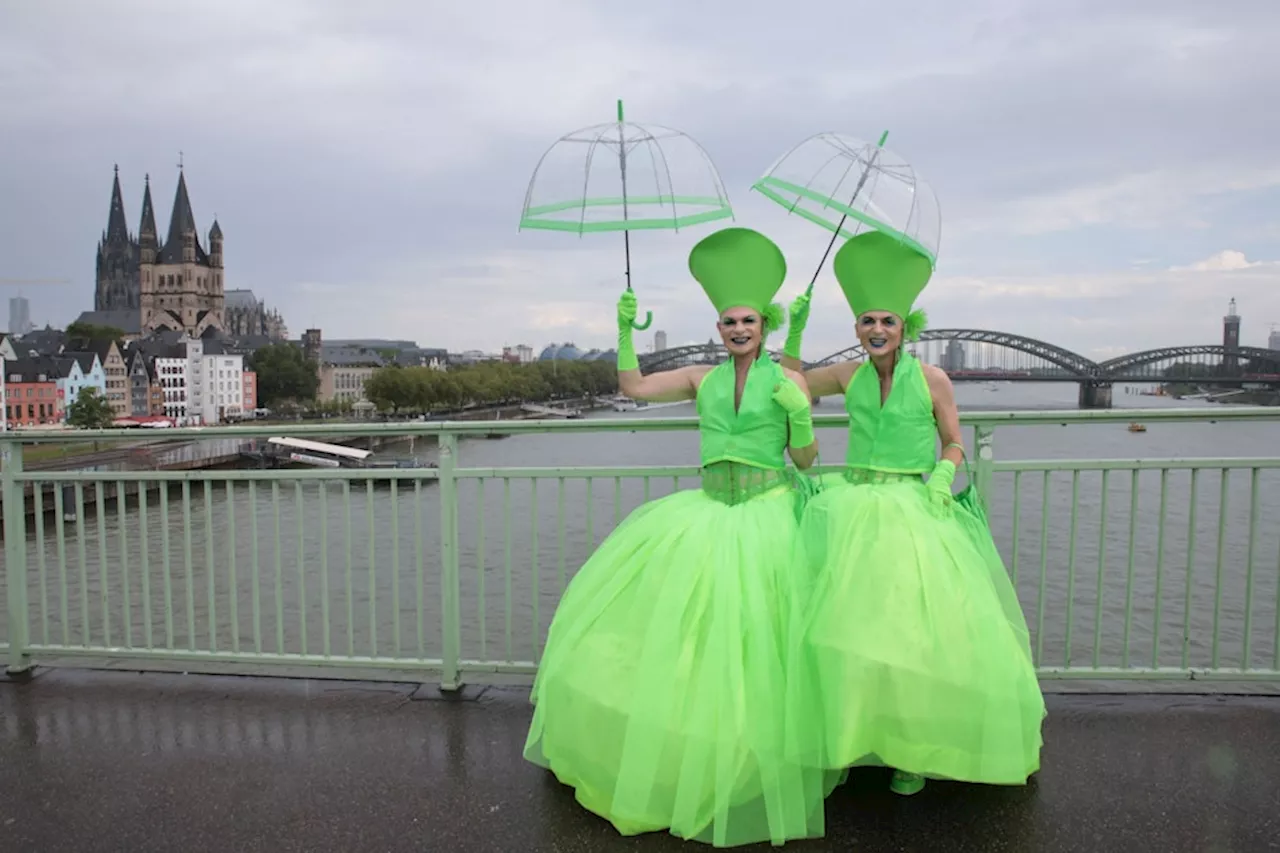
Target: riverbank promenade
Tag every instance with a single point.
(338, 659)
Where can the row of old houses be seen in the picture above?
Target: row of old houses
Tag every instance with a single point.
(167, 378)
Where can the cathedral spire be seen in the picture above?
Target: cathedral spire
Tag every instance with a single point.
(148, 228)
(148, 242)
(182, 220)
(117, 230)
(182, 245)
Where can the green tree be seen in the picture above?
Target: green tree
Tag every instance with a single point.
(423, 389)
(284, 373)
(90, 410)
(392, 387)
(94, 332)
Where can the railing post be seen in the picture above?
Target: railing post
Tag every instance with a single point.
(15, 553)
(984, 435)
(450, 615)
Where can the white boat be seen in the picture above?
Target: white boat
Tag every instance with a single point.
(320, 454)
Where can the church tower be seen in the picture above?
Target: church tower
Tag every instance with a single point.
(182, 286)
(117, 287)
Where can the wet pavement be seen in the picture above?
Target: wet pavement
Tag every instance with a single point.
(120, 761)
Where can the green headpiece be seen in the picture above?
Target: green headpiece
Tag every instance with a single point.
(879, 272)
(738, 267)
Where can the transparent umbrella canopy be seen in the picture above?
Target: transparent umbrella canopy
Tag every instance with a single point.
(848, 186)
(626, 177)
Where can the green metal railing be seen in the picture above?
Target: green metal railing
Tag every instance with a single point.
(1126, 568)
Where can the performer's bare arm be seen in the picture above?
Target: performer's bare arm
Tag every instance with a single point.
(668, 386)
(945, 413)
(823, 381)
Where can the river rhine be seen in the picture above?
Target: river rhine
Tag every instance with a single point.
(368, 563)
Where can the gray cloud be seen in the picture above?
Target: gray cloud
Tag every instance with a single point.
(367, 161)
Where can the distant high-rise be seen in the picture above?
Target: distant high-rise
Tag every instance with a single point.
(19, 316)
(659, 341)
(1273, 340)
(953, 356)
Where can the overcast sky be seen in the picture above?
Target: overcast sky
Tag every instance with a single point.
(1107, 171)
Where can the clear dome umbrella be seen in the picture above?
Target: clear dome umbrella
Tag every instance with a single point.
(626, 177)
(849, 186)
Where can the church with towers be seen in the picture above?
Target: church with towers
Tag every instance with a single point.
(147, 285)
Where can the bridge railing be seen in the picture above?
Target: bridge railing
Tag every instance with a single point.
(1127, 569)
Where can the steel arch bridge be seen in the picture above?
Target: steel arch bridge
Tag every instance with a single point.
(1132, 365)
(708, 353)
(1071, 362)
(1215, 361)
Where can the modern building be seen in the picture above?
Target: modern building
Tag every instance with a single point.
(518, 354)
(19, 316)
(215, 390)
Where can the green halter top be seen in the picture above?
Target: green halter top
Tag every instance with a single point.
(756, 434)
(899, 437)
(742, 452)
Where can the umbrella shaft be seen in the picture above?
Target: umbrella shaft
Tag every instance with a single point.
(856, 190)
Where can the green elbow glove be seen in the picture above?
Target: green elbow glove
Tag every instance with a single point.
(939, 483)
(788, 395)
(795, 331)
(626, 347)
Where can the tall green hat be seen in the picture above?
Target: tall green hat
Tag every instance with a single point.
(739, 267)
(881, 272)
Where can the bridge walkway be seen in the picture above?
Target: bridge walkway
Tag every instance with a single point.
(114, 760)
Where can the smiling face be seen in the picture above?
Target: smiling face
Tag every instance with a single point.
(742, 330)
(880, 332)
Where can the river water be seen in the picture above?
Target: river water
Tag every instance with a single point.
(270, 566)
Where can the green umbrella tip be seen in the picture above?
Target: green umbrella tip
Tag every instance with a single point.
(883, 136)
(619, 110)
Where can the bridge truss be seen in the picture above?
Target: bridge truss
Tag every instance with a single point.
(1042, 355)
(986, 355)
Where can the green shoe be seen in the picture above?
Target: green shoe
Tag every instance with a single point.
(906, 784)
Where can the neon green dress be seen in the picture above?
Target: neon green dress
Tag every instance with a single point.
(913, 637)
(661, 690)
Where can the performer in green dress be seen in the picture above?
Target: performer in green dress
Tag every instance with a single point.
(661, 691)
(913, 637)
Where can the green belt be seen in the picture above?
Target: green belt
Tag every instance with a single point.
(733, 483)
(864, 476)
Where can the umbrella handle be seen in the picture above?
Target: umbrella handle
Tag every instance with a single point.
(648, 321)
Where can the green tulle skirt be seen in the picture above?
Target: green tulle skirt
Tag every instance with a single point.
(912, 640)
(660, 696)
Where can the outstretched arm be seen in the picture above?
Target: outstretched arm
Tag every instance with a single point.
(792, 394)
(669, 386)
(822, 381)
